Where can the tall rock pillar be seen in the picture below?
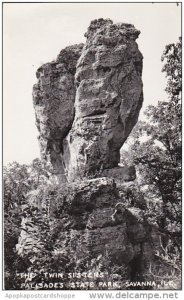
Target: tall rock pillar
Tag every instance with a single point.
(108, 98)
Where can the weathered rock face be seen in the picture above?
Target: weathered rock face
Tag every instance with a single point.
(97, 223)
(108, 96)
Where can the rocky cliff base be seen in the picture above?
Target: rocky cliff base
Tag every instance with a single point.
(88, 229)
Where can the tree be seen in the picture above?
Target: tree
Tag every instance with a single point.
(156, 149)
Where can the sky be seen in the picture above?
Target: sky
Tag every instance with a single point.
(35, 33)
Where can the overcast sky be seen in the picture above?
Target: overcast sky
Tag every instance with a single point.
(35, 33)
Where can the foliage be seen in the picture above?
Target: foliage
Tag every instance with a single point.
(18, 181)
(155, 147)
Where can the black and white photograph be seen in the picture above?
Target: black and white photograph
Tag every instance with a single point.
(92, 146)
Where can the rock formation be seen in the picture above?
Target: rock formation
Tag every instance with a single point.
(83, 123)
(86, 104)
